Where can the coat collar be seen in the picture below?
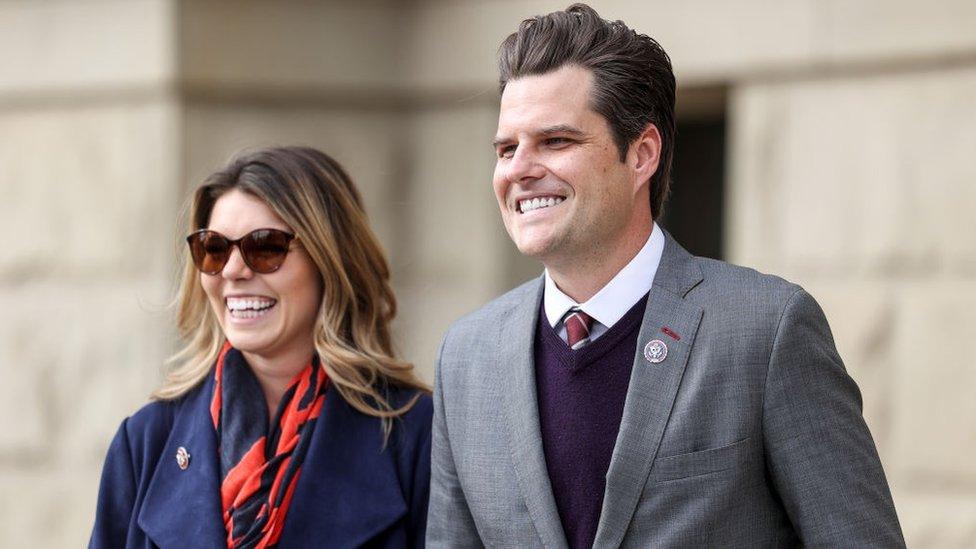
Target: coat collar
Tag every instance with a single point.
(182, 507)
(348, 491)
(650, 394)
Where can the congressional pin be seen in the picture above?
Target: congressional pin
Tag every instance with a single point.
(655, 351)
(182, 458)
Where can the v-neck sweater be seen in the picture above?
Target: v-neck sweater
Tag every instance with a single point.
(581, 398)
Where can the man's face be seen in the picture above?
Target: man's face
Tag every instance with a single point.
(563, 192)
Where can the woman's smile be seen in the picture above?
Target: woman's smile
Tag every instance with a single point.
(247, 309)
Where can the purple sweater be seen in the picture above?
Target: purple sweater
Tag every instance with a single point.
(581, 400)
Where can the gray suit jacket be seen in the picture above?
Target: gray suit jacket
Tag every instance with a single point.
(748, 434)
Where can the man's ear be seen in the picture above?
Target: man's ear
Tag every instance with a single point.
(645, 154)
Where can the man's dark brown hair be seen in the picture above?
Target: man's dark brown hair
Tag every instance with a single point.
(633, 84)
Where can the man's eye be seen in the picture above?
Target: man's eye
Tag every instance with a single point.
(556, 141)
(506, 151)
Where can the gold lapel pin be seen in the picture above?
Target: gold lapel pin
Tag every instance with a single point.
(182, 458)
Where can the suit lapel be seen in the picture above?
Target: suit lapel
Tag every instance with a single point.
(522, 418)
(652, 389)
(182, 507)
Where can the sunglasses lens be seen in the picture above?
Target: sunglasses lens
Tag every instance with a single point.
(210, 251)
(265, 249)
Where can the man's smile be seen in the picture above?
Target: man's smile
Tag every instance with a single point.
(539, 202)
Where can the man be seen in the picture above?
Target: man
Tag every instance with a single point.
(635, 395)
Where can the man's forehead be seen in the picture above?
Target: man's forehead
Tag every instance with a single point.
(536, 103)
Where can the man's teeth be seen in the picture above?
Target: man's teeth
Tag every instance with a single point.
(249, 307)
(536, 203)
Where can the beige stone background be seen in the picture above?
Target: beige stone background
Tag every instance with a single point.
(851, 146)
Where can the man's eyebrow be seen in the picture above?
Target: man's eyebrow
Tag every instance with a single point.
(562, 128)
(551, 130)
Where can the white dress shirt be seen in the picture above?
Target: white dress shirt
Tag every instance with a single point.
(613, 301)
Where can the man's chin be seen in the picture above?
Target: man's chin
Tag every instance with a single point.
(537, 241)
(535, 248)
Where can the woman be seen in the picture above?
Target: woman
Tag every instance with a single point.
(287, 421)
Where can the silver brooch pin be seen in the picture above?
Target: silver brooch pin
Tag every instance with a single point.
(655, 351)
(182, 458)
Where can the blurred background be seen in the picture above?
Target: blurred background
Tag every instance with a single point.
(831, 142)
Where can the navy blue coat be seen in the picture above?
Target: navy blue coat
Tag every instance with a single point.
(352, 491)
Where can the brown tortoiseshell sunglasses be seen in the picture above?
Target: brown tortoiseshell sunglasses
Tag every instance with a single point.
(263, 250)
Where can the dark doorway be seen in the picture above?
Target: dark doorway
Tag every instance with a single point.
(694, 212)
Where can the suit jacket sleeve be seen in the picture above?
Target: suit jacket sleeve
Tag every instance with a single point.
(820, 454)
(449, 522)
(116, 495)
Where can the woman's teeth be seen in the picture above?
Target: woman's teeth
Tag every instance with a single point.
(249, 307)
(537, 203)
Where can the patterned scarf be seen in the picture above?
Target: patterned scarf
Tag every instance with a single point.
(259, 464)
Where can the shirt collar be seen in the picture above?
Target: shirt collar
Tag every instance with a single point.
(625, 289)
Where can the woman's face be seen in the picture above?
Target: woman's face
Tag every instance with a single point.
(268, 315)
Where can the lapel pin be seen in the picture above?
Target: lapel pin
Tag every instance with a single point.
(182, 458)
(655, 351)
(674, 335)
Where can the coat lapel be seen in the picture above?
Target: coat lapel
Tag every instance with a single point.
(349, 490)
(652, 389)
(522, 418)
(182, 507)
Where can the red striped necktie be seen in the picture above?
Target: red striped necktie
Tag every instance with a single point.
(578, 326)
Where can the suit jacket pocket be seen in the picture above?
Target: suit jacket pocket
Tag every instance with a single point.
(702, 462)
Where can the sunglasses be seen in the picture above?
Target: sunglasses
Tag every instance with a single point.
(263, 250)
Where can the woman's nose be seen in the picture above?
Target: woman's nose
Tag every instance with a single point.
(236, 268)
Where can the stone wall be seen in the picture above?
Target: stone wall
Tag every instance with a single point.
(850, 131)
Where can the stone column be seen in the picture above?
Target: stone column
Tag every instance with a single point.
(89, 164)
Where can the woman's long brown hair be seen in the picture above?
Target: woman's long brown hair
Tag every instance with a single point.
(314, 196)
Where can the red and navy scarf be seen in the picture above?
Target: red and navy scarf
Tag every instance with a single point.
(260, 461)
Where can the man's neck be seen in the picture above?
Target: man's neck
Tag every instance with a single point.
(583, 275)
